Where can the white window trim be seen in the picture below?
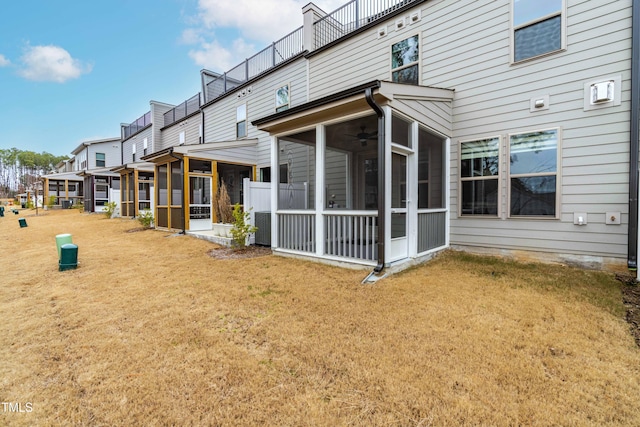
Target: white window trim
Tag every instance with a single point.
(499, 177)
(246, 127)
(513, 28)
(398, 40)
(558, 175)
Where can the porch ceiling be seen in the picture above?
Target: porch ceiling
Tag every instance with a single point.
(140, 166)
(347, 102)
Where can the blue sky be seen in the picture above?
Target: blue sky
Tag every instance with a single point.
(74, 70)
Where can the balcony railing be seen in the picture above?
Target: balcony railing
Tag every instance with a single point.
(353, 234)
(139, 124)
(351, 16)
(276, 53)
(181, 111)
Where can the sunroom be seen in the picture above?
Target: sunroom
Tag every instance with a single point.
(364, 175)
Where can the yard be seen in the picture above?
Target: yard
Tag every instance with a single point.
(152, 330)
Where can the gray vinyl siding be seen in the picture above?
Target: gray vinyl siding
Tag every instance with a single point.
(220, 117)
(111, 150)
(170, 137)
(157, 119)
(468, 50)
(137, 139)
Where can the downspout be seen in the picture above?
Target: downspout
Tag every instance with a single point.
(632, 260)
(381, 175)
(182, 185)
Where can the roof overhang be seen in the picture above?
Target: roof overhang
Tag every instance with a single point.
(98, 172)
(346, 102)
(210, 151)
(73, 176)
(139, 166)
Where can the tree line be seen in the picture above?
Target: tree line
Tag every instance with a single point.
(20, 169)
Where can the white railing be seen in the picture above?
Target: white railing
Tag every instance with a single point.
(297, 231)
(351, 234)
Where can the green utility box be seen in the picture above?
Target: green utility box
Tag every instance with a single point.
(68, 257)
(62, 239)
(22, 222)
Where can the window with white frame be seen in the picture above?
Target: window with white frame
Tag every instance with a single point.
(282, 98)
(405, 57)
(133, 152)
(145, 146)
(480, 177)
(100, 160)
(533, 169)
(241, 121)
(538, 27)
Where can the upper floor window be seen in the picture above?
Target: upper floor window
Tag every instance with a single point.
(538, 28)
(479, 177)
(145, 146)
(405, 57)
(133, 151)
(282, 98)
(100, 160)
(533, 169)
(241, 121)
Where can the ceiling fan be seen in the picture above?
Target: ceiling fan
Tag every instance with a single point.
(363, 136)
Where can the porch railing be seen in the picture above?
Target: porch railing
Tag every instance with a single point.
(297, 231)
(274, 54)
(181, 111)
(351, 234)
(431, 230)
(139, 124)
(351, 16)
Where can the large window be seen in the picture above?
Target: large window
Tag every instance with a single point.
(533, 166)
(479, 176)
(241, 121)
(537, 27)
(163, 195)
(100, 160)
(405, 56)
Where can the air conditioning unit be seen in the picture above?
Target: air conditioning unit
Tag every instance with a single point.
(263, 222)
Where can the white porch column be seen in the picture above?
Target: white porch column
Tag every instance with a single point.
(275, 180)
(387, 182)
(320, 191)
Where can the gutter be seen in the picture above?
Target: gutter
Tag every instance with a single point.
(182, 185)
(632, 257)
(368, 93)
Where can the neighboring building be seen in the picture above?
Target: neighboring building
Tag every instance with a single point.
(139, 139)
(86, 177)
(93, 162)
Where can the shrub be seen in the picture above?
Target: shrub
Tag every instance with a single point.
(145, 218)
(51, 201)
(241, 227)
(110, 209)
(222, 205)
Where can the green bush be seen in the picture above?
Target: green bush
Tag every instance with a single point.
(51, 201)
(110, 209)
(145, 218)
(241, 228)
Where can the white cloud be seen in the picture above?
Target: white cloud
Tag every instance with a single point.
(4, 61)
(213, 56)
(51, 63)
(262, 22)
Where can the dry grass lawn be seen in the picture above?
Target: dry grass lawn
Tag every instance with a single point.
(150, 330)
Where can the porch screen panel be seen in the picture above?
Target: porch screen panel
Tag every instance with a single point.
(163, 196)
(176, 184)
(431, 180)
(298, 152)
(431, 230)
